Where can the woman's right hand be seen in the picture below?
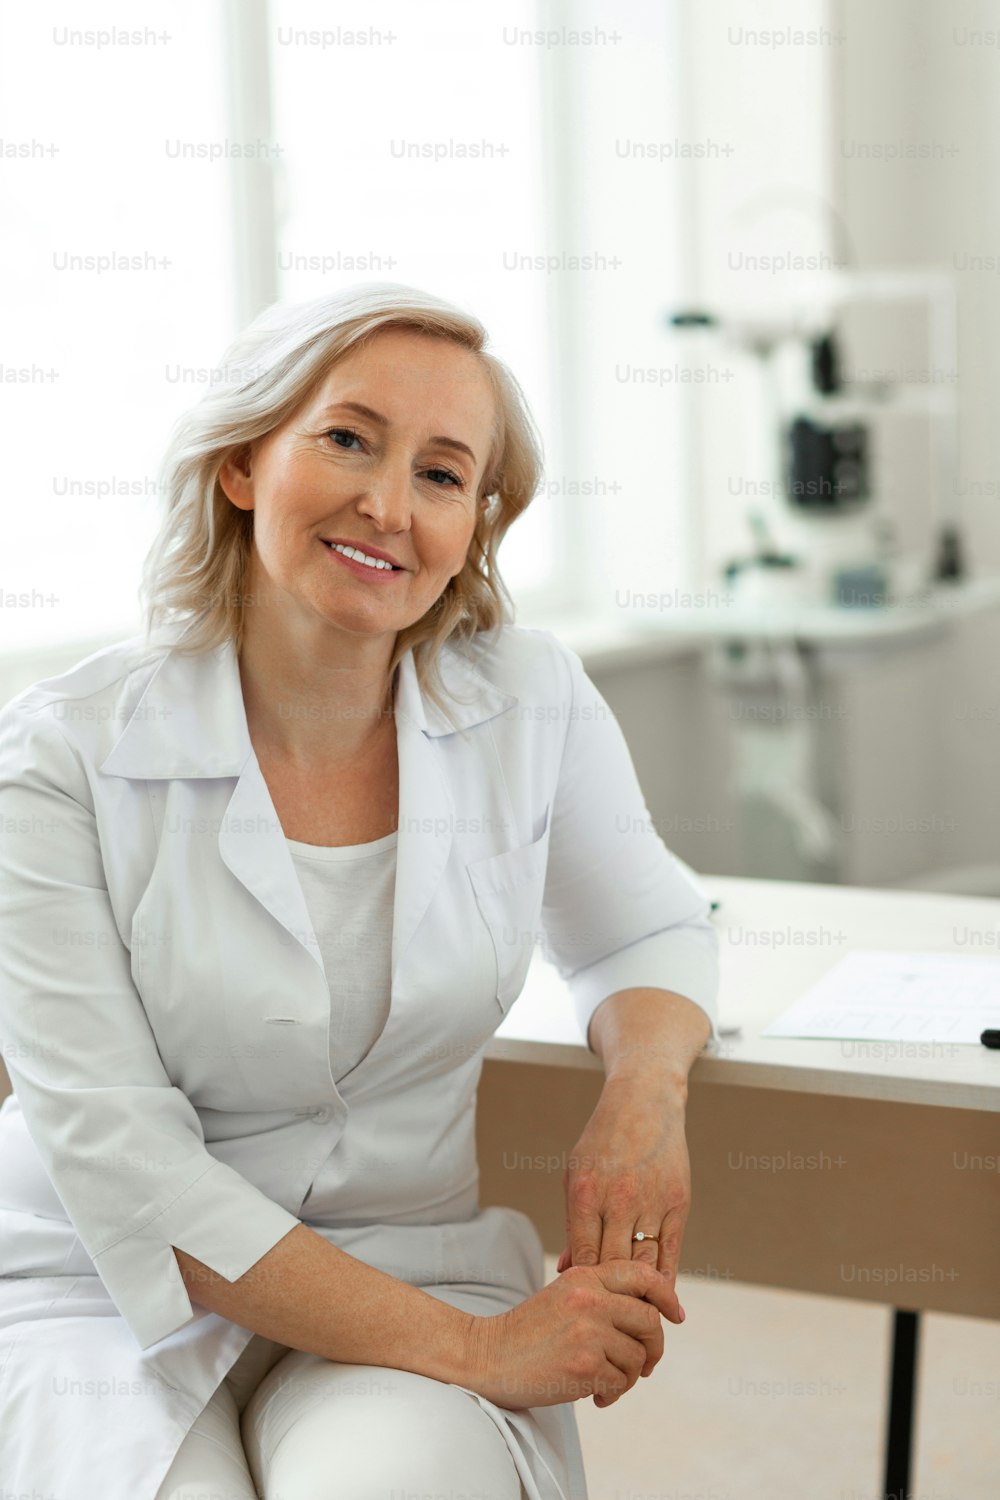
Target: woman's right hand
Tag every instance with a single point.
(591, 1332)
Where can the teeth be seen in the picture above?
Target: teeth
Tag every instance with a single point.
(362, 557)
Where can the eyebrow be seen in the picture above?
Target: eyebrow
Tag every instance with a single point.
(381, 421)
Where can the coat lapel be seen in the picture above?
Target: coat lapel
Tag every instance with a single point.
(190, 722)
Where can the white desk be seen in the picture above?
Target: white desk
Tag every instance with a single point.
(816, 1166)
(777, 937)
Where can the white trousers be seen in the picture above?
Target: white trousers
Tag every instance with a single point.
(286, 1425)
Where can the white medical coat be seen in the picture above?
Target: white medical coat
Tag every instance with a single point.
(164, 1016)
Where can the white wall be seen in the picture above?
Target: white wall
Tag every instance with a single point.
(923, 74)
(911, 751)
(758, 93)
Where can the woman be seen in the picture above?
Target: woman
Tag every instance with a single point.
(270, 879)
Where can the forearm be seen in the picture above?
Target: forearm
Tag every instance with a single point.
(649, 1032)
(312, 1296)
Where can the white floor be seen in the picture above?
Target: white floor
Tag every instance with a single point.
(766, 1395)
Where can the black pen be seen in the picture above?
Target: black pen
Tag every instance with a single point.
(990, 1039)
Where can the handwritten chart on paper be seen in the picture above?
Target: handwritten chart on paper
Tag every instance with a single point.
(913, 997)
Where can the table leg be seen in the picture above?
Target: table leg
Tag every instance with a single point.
(902, 1393)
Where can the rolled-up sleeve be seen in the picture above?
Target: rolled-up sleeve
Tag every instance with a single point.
(619, 911)
(123, 1147)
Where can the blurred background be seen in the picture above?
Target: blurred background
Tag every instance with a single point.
(744, 259)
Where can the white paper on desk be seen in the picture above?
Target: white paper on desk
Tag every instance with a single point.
(912, 997)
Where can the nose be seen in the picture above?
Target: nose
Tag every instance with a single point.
(388, 496)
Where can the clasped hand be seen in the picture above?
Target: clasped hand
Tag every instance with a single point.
(597, 1327)
(629, 1170)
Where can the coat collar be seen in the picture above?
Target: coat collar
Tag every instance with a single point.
(191, 721)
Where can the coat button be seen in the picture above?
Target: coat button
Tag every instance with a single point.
(321, 1115)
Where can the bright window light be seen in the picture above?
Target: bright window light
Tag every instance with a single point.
(413, 156)
(116, 262)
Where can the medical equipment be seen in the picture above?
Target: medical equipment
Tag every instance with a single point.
(822, 527)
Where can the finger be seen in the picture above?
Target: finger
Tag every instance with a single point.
(564, 1260)
(636, 1317)
(669, 1257)
(628, 1355)
(647, 1250)
(583, 1219)
(607, 1385)
(633, 1278)
(621, 1214)
(669, 1303)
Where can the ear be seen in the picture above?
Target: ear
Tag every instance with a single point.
(235, 478)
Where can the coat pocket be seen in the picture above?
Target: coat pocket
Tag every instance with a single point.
(508, 888)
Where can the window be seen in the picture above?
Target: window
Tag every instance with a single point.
(413, 155)
(116, 265)
(452, 147)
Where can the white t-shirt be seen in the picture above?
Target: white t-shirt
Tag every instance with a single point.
(349, 895)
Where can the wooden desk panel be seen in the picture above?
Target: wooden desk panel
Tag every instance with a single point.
(889, 1210)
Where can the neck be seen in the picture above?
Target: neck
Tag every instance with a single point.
(324, 703)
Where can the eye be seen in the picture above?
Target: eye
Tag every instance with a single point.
(342, 432)
(348, 432)
(455, 479)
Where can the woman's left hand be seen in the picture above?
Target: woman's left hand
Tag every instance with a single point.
(628, 1171)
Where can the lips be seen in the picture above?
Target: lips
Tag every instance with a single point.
(369, 551)
(371, 572)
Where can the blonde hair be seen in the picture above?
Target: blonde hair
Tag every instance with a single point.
(196, 569)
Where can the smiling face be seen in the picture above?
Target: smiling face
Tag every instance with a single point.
(397, 480)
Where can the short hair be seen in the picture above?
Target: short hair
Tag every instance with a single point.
(196, 569)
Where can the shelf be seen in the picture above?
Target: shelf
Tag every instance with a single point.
(821, 624)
